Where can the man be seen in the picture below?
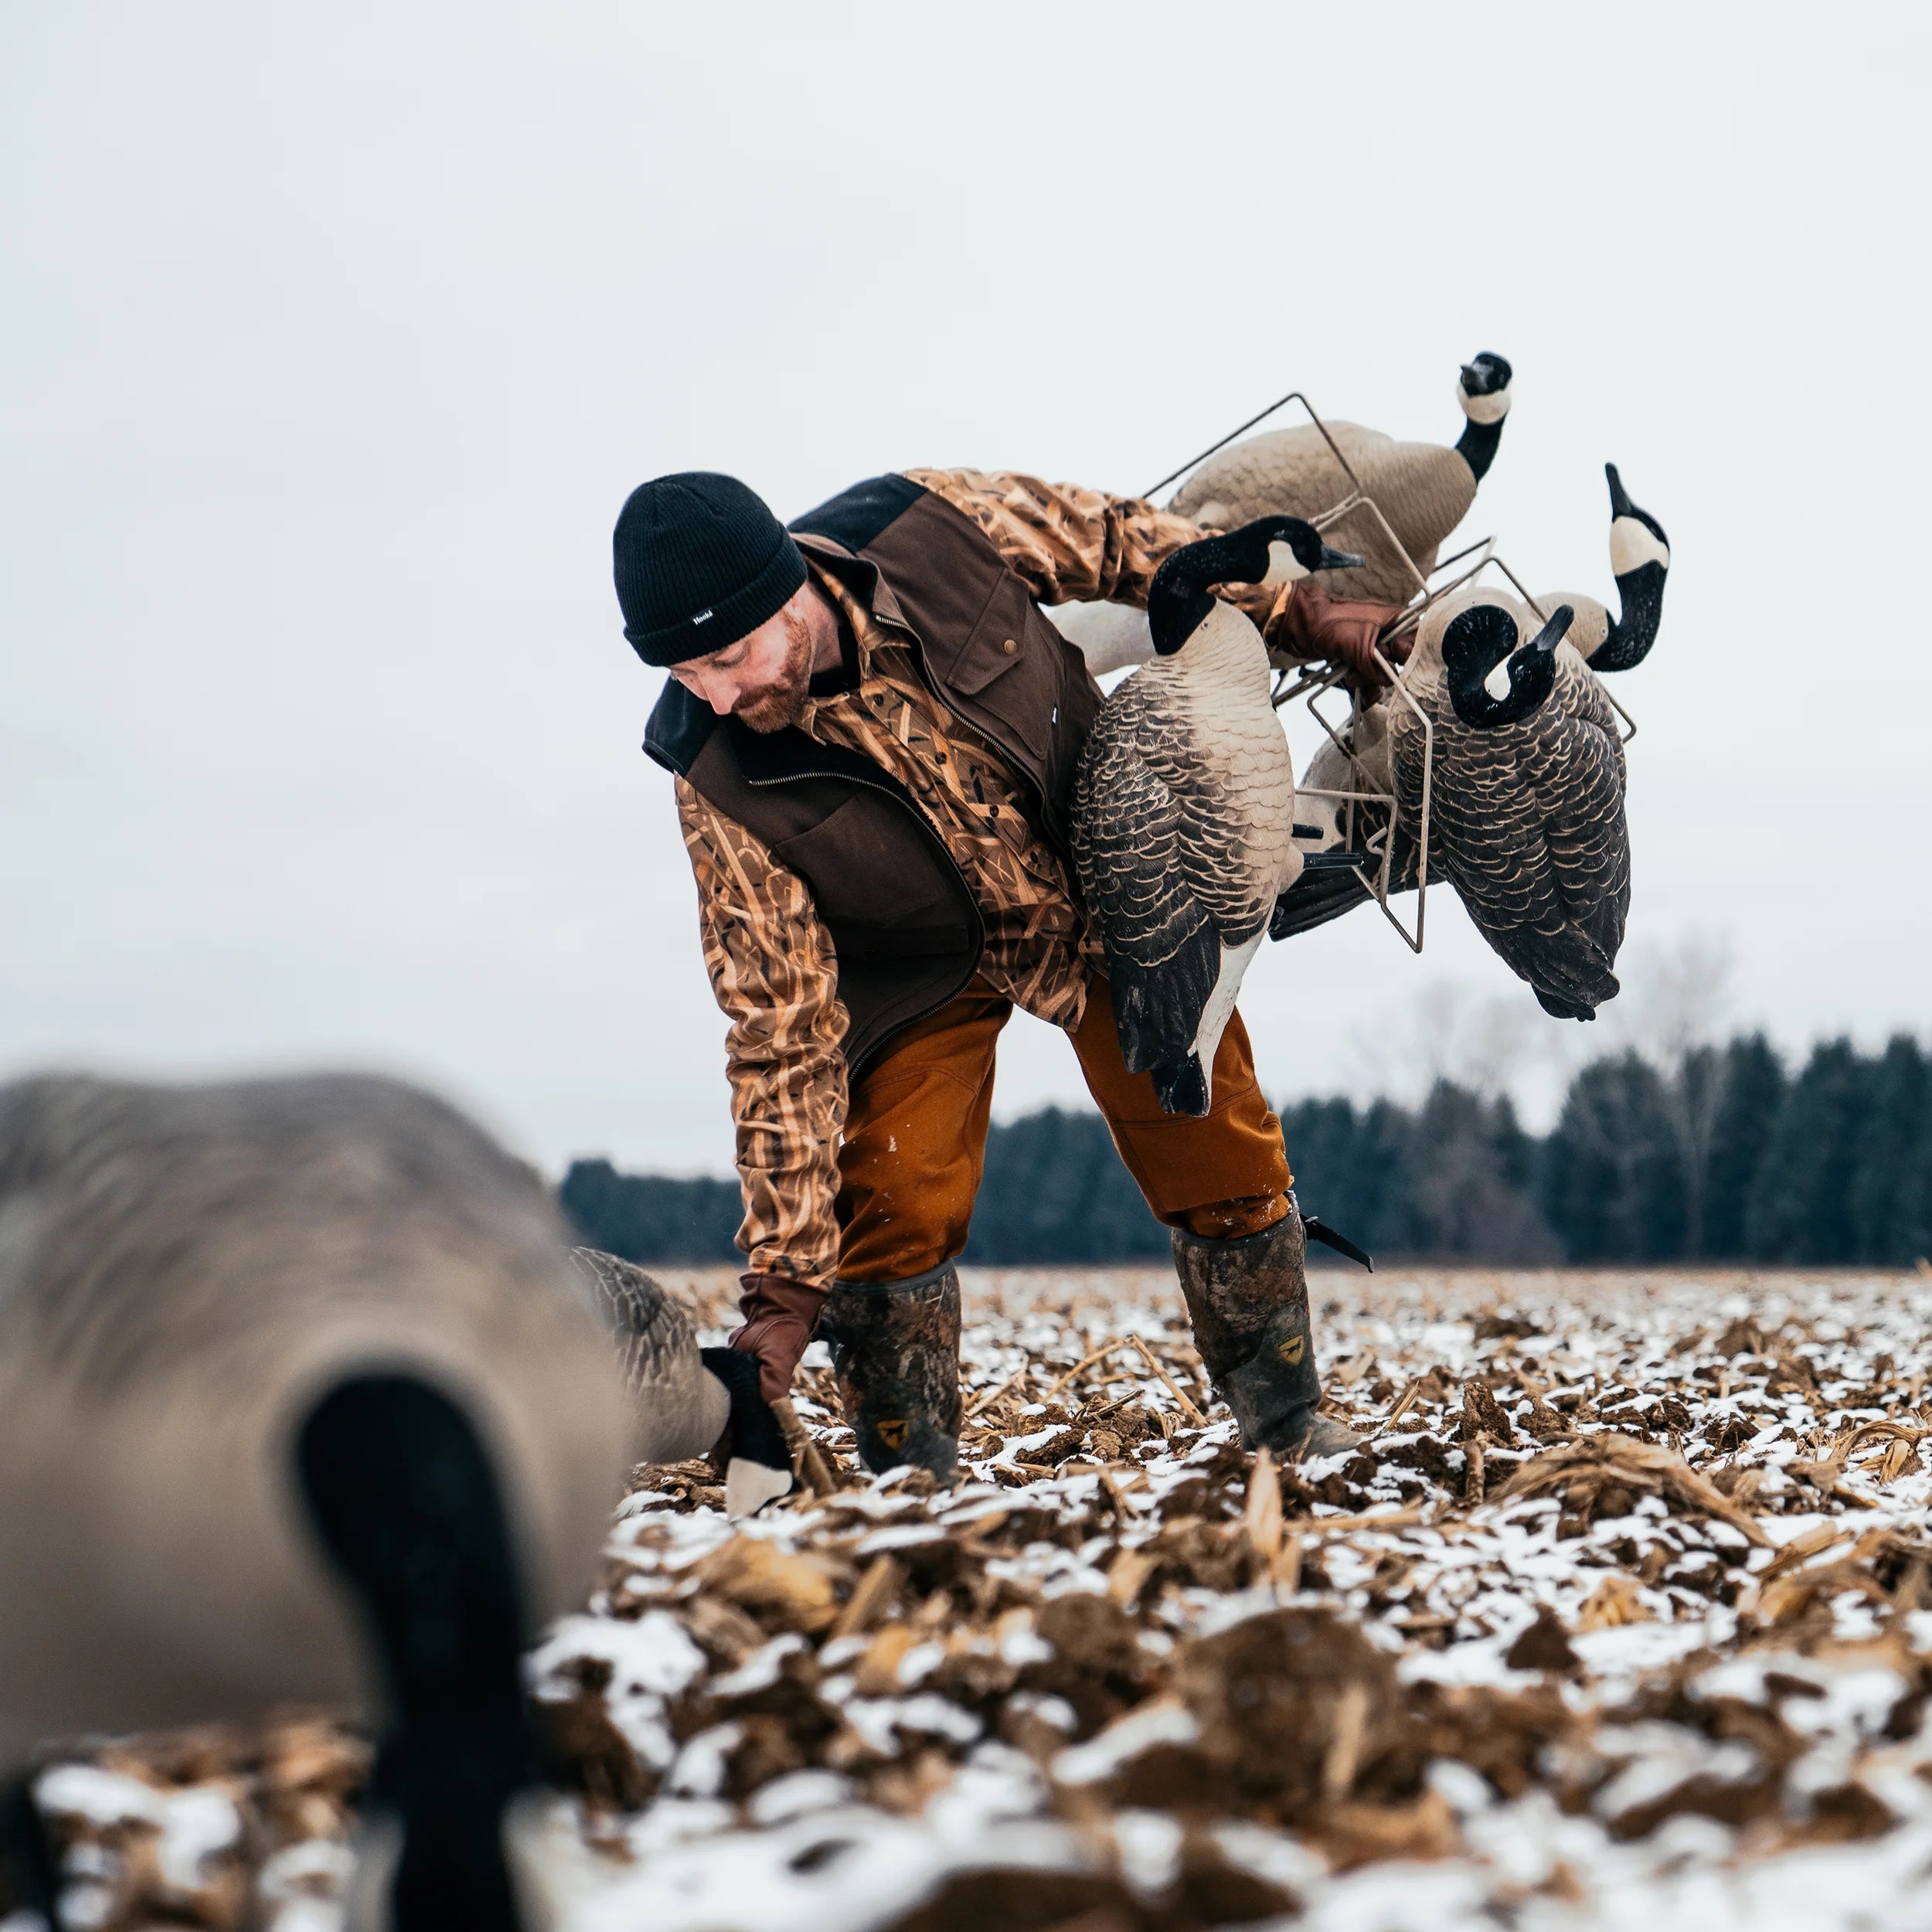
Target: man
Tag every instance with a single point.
(873, 730)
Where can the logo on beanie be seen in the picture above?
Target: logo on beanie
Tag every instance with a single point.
(703, 617)
(892, 1432)
(1290, 1351)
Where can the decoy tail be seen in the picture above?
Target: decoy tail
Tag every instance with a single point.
(1181, 1087)
(1321, 1231)
(1640, 560)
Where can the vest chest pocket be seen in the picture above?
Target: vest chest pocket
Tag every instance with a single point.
(878, 880)
(1006, 669)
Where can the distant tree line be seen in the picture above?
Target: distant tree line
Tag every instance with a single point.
(1725, 1156)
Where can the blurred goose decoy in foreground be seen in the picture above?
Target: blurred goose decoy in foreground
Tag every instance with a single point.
(301, 1401)
(688, 1399)
(1184, 808)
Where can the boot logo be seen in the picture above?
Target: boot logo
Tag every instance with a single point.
(1291, 1350)
(894, 1429)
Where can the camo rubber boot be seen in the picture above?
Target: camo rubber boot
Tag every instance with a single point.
(895, 1351)
(1248, 1300)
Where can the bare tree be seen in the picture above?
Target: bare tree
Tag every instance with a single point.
(1487, 1042)
(1675, 997)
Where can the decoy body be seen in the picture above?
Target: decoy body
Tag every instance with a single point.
(688, 1399)
(301, 1400)
(1184, 808)
(1425, 490)
(1527, 817)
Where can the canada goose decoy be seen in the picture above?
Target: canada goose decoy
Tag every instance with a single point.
(1571, 767)
(1184, 808)
(688, 1398)
(301, 1401)
(1425, 490)
(1526, 812)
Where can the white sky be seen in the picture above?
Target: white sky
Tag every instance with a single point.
(332, 336)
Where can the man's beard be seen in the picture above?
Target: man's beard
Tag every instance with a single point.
(782, 702)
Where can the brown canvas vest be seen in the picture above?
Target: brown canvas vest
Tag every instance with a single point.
(904, 922)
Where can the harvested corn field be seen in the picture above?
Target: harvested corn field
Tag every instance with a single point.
(1616, 1621)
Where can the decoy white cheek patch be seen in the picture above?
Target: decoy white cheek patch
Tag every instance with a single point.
(1497, 683)
(1632, 545)
(1284, 566)
(1484, 409)
(750, 1485)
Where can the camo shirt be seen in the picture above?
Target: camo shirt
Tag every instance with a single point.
(771, 960)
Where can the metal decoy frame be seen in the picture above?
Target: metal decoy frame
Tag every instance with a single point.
(1311, 684)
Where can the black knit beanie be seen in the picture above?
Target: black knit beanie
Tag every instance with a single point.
(700, 561)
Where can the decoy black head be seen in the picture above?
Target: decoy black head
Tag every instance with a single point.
(1485, 374)
(1482, 390)
(401, 1492)
(1640, 560)
(1479, 639)
(759, 1465)
(1272, 549)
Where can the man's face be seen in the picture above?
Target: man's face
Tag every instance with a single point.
(763, 678)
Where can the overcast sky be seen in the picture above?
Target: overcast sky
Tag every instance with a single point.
(332, 336)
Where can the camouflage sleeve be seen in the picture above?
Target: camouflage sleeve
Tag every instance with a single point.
(773, 969)
(1065, 542)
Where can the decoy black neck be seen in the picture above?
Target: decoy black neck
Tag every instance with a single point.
(1479, 639)
(402, 1496)
(1640, 592)
(1485, 393)
(1478, 444)
(1178, 602)
(1628, 642)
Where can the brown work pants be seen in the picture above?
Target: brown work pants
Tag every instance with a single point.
(915, 1127)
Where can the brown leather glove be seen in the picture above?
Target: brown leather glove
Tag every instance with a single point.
(779, 1314)
(1310, 623)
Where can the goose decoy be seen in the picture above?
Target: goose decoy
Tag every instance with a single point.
(1529, 826)
(1526, 814)
(688, 1399)
(301, 1401)
(1424, 489)
(1184, 808)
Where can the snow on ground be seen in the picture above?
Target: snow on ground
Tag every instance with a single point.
(1615, 1622)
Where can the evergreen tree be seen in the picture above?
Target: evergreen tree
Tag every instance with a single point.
(1693, 1094)
(1833, 1166)
(1334, 1164)
(1613, 1184)
(647, 1218)
(1750, 1090)
(1465, 1201)
(1054, 1191)
(1800, 1207)
(1885, 1181)
(1381, 1181)
(1915, 1233)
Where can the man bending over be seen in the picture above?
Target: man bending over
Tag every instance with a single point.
(873, 731)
